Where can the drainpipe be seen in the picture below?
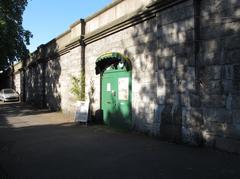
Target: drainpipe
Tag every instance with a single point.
(82, 44)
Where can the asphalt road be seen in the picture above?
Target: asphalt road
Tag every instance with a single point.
(39, 144)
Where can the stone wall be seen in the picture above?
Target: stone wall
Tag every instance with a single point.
(176, 70)
(48, 84)
(185, 72)
(34, 85)
(70, 66)
(219, 69)
(160, 50)
(185, 67)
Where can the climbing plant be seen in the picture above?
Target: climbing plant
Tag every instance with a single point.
(78, 86)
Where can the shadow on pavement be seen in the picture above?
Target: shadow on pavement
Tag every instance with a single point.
(66, 150)
(75, 151)
(14, 109)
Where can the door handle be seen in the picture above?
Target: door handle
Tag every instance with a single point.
(113, 93)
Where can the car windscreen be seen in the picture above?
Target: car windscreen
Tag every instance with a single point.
(8, 91)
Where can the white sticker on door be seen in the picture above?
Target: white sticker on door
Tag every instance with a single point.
(108, 86)
(123, 88)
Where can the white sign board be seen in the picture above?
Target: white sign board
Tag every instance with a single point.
(81, 114)
(123, 88)
(108, 86)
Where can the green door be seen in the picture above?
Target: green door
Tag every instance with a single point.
(116, 98)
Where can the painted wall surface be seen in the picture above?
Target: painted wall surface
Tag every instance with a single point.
(185, 68)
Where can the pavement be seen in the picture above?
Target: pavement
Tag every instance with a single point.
(41, 144)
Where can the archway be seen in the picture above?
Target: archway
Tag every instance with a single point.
(116, 89)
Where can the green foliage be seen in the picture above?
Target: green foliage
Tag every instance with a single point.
(13, 37)
(78, 86)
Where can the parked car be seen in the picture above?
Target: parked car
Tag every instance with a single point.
(9, 94)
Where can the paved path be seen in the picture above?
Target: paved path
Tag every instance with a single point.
(38, 144)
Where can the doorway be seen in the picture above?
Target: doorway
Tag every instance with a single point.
(116, 93)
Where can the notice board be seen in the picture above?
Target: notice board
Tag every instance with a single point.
(82, 109)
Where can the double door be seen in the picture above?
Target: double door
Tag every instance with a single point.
(116, 98)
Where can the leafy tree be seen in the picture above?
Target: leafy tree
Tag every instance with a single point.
(13, 37)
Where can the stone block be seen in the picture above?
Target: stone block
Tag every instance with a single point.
(212, 87)
(185, 85)
(194, 118)
(195, 100)
(208, 139)
(185, 100)
(236, 72)
(160, 63)
(169, 74)
(227, 144)
(211, 31)
(190, 74)
(166, 117)
(229, 101)
(184, 72)
(236, 87)
(214, 128)
(181, 71)
(213, 72)
(236, 117)
(175, 14)
(232, 56)
(231, 28)
(209, 46)
(216, 101)
(165, 51)
(228, 72)
(171, 133)
(233, 131)
(184, 50)
(169, 99)
(192, 136)
(170, 84)
(227, 86)
(165, 63)
(172, 35)
(161, 78)
(232, 42)
(177, 115)
(211, 58)
(219, 115)
(183, 60)
(235, 102)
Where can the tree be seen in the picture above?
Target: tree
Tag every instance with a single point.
(13, 37)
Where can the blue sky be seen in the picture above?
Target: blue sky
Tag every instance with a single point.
(47, 19)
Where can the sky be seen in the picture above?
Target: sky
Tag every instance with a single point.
(47, 19)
